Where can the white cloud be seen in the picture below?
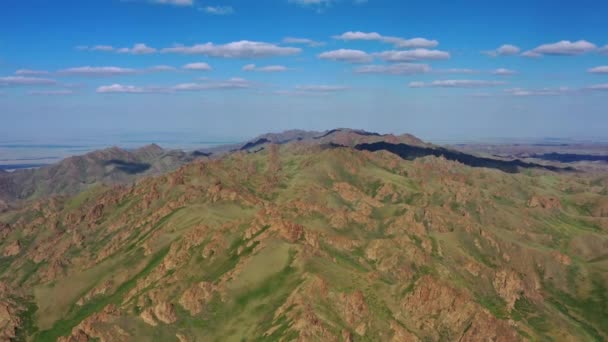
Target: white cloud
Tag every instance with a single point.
(162, 68)
(105, 48)
(321, 88)
(397, 41)
(312, 90)
(174, 2)
(138, 49)
(412, 55)
(218, 10)
(306, 41)
(562, 48)
(599, 70)
(25, 81)
(599, 87)
(394, 69)
(311, 2)
(456, 84)
(97, 71)
(232, 83)
(200, 66)
(269, 68)
(503, 50)
(416, 43)
(504, 72)
(347, 55)
(29, 72)
(130, 89)
(51, 92)
(603, 50)
(531, 54)
(537, 92)
(457, 71)
(240, 49)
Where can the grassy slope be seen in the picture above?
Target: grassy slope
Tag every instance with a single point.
(256, 276)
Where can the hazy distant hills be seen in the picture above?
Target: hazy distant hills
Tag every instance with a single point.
(305, 241)
(74, 174)
(119, 166)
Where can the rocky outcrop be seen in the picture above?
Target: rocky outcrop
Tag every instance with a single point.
(355, 311)
(438, 311)
(165, 312)
(509, 286)
(195, 298)
(544, 202)
(12, 249)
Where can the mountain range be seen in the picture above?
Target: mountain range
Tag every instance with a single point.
(341, 235)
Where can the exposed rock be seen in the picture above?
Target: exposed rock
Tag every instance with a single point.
(290, 231)
(165, 312)
(544, 202)
(509, 286)
(435, 307)
(355, 311)
(12, 249)
(148, 316)
(195, 298)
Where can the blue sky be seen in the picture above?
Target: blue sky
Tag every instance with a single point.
(437, 69)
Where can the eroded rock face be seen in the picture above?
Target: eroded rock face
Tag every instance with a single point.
(509, 286)
(9, 320)
(195, 298)
(290, 231)
(544, 202)
(165, 312)
(12, 249)
(355, 311)
(439, 311)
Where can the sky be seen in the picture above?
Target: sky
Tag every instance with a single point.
(224, 69)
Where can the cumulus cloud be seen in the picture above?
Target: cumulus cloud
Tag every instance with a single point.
(305, 41)
(599, 70)
(232, 83)
(138, 49)
(457, 71)
(456, 84)
(218, 10)
(105, 48)
(240, 49)
(603, 50)
(200, 66)
(174, 2)
(412, 55)
(26, 81)
(562, 48)
(29, 72)
(269, 68)
(321, 88)
(504, 72)
(598, 87)
(396, 41)
(97, 71)
(162, 68)
(130, 89)
(312, 90)
(312, 2)
(503, 50)
(347, 55)
(394, 69)
(537, 92)
(51, 92)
